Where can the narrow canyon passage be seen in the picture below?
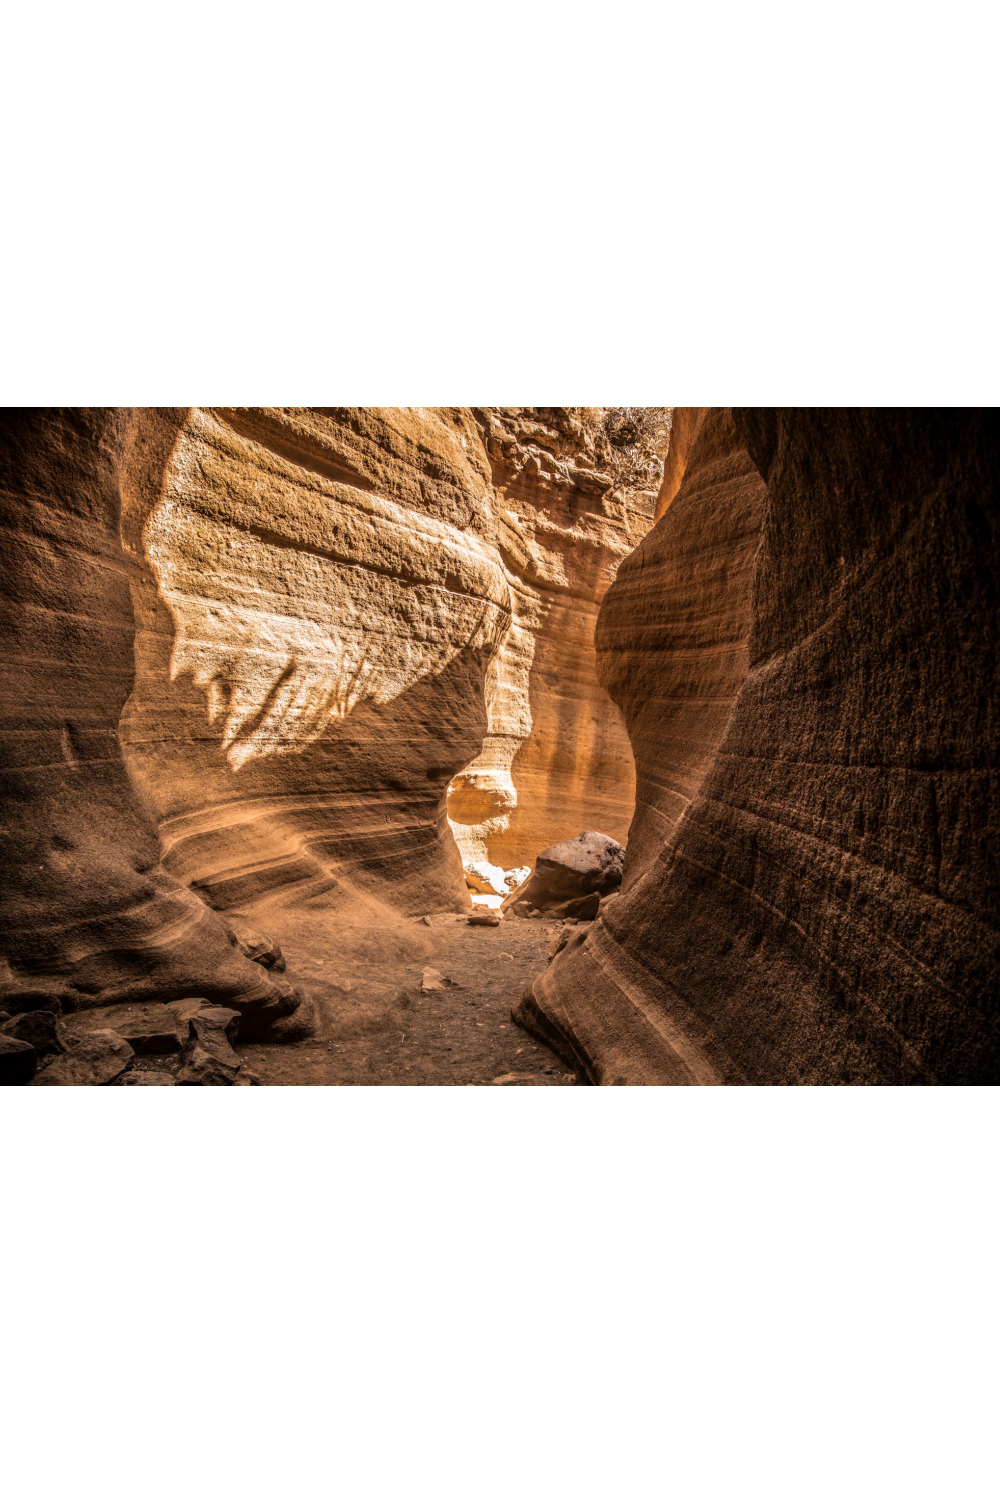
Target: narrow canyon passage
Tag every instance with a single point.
(341, 676)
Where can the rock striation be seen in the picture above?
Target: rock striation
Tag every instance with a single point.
(318, 598)
(556, 754)
(811, 887)
(248, 652)
(88, 913)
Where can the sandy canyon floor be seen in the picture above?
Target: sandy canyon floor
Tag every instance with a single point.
(380, 1024)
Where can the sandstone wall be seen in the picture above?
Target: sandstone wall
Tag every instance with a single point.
(249, 651)
(556, 757)
(318, 598)
(823, 906)
(87, 913)
(672, 635)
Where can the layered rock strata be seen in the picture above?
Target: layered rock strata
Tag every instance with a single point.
(556, 755)
(250, 649)
(318, 599)
(820, 902)
(88, 913)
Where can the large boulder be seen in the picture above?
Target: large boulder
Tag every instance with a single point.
(589, 865)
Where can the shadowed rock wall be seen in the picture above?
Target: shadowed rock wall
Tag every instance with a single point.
(88, 915)
(823, 905)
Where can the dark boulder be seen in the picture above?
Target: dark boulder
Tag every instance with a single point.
(589, 865)
(37, 1027)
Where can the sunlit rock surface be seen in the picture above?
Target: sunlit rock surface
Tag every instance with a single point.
(250, 649)
(811, 890)
(318, 599)
(556, 755)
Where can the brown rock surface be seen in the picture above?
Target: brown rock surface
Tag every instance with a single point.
(556, 755)
(673, 630)
(248, 655)
(318, 597)
(821, 902)
(88, 914)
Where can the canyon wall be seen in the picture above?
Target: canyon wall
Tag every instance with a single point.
(556, 757)
(88, 914)
(811, 891)
(251, 649)
(318, 598)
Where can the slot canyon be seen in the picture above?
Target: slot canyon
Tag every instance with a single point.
(500, 745)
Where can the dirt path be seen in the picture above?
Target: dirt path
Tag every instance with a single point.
(379, 1026)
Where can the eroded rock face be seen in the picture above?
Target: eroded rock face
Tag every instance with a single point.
(87, 912)
(251, 649)
(556, 755)
(318, 598)
(673, 631)
(820, 905)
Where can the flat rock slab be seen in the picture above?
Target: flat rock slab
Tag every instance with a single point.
(18, 1061)
(96, 1059)
(150, 1014)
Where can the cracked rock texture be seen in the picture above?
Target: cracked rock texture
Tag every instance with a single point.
(805, 649)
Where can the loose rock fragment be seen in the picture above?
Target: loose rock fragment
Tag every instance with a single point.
(262, 950)
(430, 979)
(485, 919)
(202, 1067)
(37, 1027)
(97, 1059)
(148, 1077)
(507, 1079)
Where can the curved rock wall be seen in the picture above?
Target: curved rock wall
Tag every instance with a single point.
(556, 758)
(318, 598)
(303, 609)
(88, 915)
(672, 635)
(823, 906)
